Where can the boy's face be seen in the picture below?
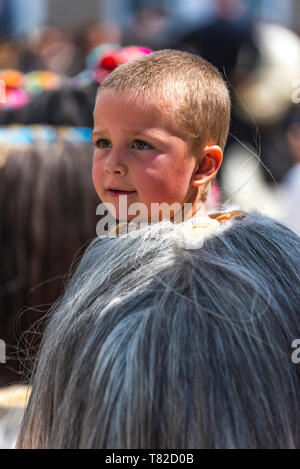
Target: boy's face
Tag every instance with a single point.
(139, 154)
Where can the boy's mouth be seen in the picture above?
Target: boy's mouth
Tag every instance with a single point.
(116, 192)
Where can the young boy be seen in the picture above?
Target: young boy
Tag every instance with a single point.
(161, 124)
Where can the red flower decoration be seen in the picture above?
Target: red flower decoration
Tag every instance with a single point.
(114, 57)
(108, 62)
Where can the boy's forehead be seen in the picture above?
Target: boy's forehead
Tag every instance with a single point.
(131, 108)
(108, 99)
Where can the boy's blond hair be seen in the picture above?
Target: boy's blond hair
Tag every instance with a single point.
(191, 89)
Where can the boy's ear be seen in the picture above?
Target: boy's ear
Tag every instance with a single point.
(208, 165)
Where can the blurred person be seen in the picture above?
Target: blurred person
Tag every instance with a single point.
(56, 51)
(62, 106)
(48, 216)
(193, 12)
(6, 25)
(265, 98)
(172, 338)
(148, 26)
(10, 54)
(93, 33)
(243, 182)
(227, 40)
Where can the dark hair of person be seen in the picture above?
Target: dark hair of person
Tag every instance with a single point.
(48, 216)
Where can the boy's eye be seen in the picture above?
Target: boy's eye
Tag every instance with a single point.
(102, 143)
(141, 145)
(137, 144)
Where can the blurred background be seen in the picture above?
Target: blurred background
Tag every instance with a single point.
(51, 60)
(53, 56)
(20, 16)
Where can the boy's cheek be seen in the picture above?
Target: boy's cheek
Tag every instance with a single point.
(96, 158)
(97, 165)
(97, 178)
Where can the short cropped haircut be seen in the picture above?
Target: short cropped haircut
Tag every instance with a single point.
(199, 96)
(157, 345)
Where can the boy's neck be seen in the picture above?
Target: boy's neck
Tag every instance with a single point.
(201, 211)
(197, 210)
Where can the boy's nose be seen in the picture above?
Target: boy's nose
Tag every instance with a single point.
(113, 165)
(120, 170)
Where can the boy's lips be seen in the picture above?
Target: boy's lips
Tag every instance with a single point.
(116, 192)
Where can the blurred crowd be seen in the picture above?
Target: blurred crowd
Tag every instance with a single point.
(49, 81)
(51, 77)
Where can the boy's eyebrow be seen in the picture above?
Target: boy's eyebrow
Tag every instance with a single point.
(151, 132)
(157, 134)
(97, 132)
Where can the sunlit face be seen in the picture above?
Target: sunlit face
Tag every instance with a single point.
(139, 154)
